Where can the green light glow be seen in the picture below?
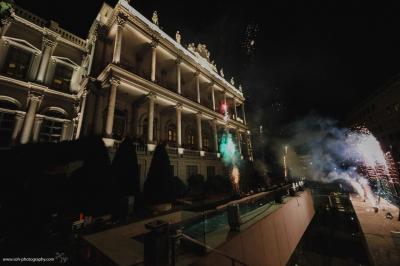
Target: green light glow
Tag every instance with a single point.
(228, 149)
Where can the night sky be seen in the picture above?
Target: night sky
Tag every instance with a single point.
(317, 56)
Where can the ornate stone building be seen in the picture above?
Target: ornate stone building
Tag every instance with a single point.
(41, 73)
(128, 78)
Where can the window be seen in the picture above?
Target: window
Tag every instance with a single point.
(51, 131)
(17, 63)
(119, 126)
(52, 127)
(6, 128)
(7, 121)
(210, 171)
(206, 141)
(171, 131)
(145, 128)
(190, 137)
(62, 77)
(191, 170)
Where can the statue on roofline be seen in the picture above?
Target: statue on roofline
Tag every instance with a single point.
(221, 72)
(232, 81)
(178, 37)
(155, 18)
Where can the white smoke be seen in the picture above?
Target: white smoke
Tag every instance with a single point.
(335, 153)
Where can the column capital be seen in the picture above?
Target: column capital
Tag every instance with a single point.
(154, 43)
(178, 106)
(48, 41)
(211, 84)
(35, 97)
(114, 81)
(151, 96)
(121, 19)
(199, 115)
(178, 60)
(197, 73)
(7, 20)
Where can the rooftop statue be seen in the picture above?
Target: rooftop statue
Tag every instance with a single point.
(178, 37)
(214, 66)
(155, 17)
(232, 81)
(221, 72)
(191, 47)
(203, 52)
(240, 88)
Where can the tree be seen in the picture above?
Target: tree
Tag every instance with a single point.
(126, 169)
(157, 188)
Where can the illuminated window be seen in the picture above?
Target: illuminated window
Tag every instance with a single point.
(62, 77)
(171, 131)
(190, 137)
(17, 63)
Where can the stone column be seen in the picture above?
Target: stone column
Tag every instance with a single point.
(199, 135)
(197, 76)
(65, 130)
(243, 113)
(153, 60)
(213, 96)
(234, 108)
(48, 46)
(29, 118)
(114, 82)
(121, 20)
(150, 118)
(36, 128)
(178, 76)
(215, 135)
(238, 141)
(178, 108)
(19, 120)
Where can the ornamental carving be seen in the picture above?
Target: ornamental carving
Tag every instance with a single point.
(121, 19)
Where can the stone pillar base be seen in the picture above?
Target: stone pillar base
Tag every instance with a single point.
(180, 150)
(202, 153)
(151, 147)
(109, 142)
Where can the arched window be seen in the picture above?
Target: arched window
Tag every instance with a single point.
(190, 137)
(171, 134)
(52, 126)
(119, 126)
(7, 121)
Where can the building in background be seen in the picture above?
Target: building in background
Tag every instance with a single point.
(128, 78)
(380, 113)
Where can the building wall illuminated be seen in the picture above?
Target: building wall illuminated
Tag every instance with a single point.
(128, 78)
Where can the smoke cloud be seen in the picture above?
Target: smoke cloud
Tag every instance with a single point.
(322, 151)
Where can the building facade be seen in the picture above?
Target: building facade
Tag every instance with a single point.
(380, 113)
(128, 78)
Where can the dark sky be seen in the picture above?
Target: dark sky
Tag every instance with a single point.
(323, 55)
